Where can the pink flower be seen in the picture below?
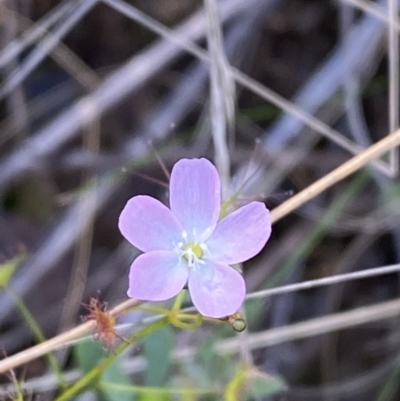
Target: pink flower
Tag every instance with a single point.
(186, 244)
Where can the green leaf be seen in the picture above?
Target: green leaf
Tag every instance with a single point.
(89, 354)
(250, 383)
(264, 386)
(157, 349)
(218, 368)
(115, 374)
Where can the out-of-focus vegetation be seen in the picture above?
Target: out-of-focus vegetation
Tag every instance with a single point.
(94, 93)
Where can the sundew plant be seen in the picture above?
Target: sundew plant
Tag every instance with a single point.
(199, 200)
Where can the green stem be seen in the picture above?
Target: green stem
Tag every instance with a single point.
(157, 391)
(39, 337)
(179, 300)
(95, 373)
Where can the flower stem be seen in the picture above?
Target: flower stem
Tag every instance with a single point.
(94, 374)
(179, 300)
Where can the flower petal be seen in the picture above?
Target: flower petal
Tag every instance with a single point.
(195, 196)
(149, 225)
(240, 235)
(216, 290)
(156, 276)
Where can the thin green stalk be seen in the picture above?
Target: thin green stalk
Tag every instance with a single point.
(179, 300)
(95, 373)
(390, 388)
(146, 390)
(39, 337)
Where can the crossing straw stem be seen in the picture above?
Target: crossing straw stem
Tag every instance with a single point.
(343, 171)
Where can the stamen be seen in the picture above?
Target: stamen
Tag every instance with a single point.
(193, 253)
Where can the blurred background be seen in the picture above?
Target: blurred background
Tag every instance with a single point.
(94, 93)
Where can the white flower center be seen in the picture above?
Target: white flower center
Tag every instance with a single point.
(191, 252)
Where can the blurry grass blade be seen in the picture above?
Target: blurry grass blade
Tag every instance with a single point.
(8, 268)
(17, 391)
(234, 388)
(163, 393)
(389, 389)
(154, 397)
(39, 336)
(222, 87)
